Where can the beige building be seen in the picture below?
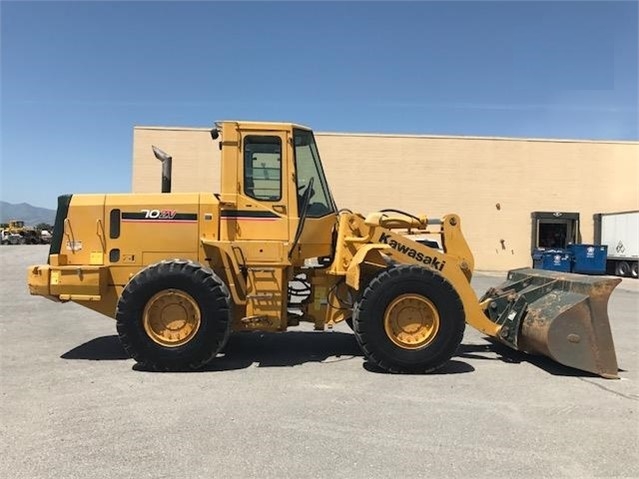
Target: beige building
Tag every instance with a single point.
(512, 194)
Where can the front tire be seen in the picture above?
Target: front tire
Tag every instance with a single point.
(409, 319)
(174, 315)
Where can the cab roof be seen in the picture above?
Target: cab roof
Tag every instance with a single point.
(265, 125)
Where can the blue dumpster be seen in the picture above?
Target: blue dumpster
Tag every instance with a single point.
(552, 259)
(589, 258)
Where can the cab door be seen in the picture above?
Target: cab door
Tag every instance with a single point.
(257, 227)
(316, 237)
(258, 222)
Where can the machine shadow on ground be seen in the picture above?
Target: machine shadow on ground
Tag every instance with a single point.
(263, 349)
(494, 351)
(104, 348)
(453, 366)
(285, 349)
(298, 347)
(244, 349)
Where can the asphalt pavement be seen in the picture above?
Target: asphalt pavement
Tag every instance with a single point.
(302, 404)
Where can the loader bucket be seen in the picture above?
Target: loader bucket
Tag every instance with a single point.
(562, 316)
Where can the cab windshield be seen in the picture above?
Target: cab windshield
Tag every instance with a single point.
(308, 165)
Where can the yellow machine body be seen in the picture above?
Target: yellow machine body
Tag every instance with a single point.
(273, 223)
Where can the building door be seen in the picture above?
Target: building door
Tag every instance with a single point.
(554, 230)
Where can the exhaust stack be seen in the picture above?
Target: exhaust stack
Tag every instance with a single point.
(167, 165)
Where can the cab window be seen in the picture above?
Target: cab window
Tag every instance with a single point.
(308, 166)
(263, 167)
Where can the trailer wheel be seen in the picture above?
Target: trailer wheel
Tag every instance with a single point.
(409, 319)
(634, 270)
(174, 315)
(623, 268)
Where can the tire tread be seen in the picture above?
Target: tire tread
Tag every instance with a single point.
(207, 280)
(373, 289)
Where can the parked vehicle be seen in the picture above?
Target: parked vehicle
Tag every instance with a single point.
(9, 238)
(16, 232)
(45, 237)
(620, 232)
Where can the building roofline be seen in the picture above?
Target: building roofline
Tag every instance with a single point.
(473, 137)
(406, 135)
(171, 128)
(249, 124)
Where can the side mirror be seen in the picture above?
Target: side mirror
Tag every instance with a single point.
(215, 134)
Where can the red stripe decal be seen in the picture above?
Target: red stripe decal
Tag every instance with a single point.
(247, 218)
(159, 221)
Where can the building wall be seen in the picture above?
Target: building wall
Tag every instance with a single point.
(494, 184)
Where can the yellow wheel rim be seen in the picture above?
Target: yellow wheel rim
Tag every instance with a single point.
(171, 318)
(411, 321)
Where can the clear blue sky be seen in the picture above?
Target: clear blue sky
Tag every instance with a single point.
(77, 76)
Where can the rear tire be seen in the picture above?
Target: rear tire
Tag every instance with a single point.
(174, 315)
(409, 319)
(634, 270)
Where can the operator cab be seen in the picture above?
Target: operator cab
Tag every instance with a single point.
(273, 188)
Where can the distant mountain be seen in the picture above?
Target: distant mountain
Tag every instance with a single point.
(31, 215)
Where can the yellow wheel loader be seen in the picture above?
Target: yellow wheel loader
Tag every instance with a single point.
(180, 271)
(15, 232)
